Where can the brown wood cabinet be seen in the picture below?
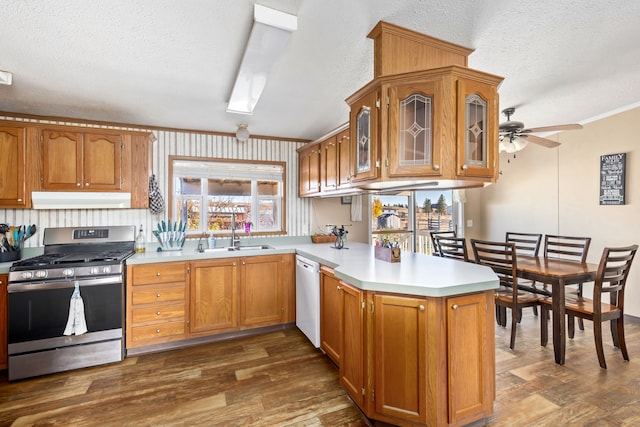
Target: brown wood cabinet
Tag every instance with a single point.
(13, 178)
(173, 301)
(471, 373)
(16, 167)
(331, 309)
(344, 159)
(82, 161)
(3, 320)
(261, 291)
(400, 369)
(439, 124)
(334, 167)
(425, 348)
(410, 360)
(309, 170)
(329, 164)
(39, 157)
(214, 296)
(352, 368)
(342, 328)
(157, 301)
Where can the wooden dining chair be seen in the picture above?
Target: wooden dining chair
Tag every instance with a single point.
(571, 248)
(434, 234)
(525, 243)
(453, 247)
(611, 278)
(501, 258)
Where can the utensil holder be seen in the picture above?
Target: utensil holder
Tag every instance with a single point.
(10, 256)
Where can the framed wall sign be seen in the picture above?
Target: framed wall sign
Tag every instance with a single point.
(612, 178)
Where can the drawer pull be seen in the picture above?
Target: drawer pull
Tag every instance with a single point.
(158, 274)
(157, 331)
(157, 295)
(454, 307)
(421, 307)
(157, 313)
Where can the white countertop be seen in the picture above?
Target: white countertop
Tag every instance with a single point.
(416, 274)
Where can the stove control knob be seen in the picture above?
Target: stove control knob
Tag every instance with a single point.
(27, 274)
(106, 269)
(41, 274)
(94, 270)
(68, 272)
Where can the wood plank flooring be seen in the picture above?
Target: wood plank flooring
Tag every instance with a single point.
(279, 379)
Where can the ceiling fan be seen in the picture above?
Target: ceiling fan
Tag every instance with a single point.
(514, 136)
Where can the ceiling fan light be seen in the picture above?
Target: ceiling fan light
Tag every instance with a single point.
(519, 144)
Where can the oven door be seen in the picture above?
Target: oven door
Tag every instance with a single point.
(39, 311)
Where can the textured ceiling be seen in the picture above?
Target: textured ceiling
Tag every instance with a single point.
(172, 63)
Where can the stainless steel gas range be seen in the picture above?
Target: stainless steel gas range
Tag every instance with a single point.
(66, 307)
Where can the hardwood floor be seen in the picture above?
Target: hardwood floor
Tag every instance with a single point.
(279, 379)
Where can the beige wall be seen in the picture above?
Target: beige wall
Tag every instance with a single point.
(556, 191)
(331, 211)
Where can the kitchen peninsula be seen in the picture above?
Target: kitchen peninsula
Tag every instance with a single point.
(416, 338)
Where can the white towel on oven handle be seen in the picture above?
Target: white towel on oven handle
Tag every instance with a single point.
(76, 323)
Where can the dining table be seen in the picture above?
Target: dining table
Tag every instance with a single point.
(558, 273)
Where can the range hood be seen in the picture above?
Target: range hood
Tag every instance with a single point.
(79, 200)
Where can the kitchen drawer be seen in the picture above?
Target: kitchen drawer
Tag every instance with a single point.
(150, 332)
(158, 312)
(159, 273)
(153, 294)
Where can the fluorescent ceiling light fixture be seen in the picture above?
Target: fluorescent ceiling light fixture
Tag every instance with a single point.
(5, 78)
(269, 36)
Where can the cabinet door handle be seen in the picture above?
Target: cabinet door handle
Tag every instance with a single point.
(421, 307)
(465, 167)
(86, 184)
(78, 184)
(339, 287)
(454, 307)
(19, 200)
(436, 167)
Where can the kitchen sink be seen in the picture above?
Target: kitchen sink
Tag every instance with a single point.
(210, 250)
(237, 248)
(251, 248)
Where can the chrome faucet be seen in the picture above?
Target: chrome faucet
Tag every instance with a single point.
(235, 241)
(200, 246)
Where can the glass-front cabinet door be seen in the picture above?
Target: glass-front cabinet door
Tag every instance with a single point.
(364, 132)
(415, 129)
(477, 130)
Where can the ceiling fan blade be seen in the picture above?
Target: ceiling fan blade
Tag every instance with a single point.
(540, 141)
(553, 128)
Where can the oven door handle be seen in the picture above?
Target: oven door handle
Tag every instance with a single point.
(27, 287)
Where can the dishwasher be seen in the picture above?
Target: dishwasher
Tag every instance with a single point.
(308, 298)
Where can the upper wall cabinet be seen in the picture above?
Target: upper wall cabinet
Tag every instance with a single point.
(325, 165)
(12, 167)
(426, 119)
(82, 161)
(309, 170)
(50, 158)
(436, 124)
